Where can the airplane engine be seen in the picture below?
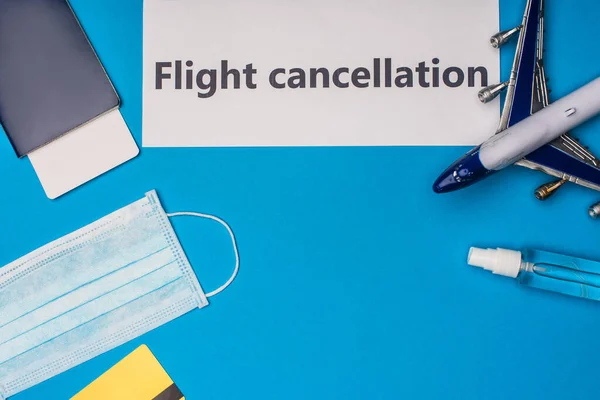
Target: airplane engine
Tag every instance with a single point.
(548, 189)
(503, 37)
(594, 210)
(489, 93)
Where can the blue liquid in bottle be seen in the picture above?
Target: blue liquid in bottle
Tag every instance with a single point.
(543, 270)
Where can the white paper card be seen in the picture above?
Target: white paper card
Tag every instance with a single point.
(318, 73)
(83, 154)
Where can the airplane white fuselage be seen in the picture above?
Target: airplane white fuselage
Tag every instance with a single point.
(512, 144)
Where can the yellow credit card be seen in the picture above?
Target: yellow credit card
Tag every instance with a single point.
(139, 376)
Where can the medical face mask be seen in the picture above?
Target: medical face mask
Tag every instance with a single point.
(92, 291)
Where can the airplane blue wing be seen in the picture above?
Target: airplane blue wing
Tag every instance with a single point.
(522, 97)
(564, 161)
(565, 157)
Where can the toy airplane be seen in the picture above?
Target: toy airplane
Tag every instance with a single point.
(532, 132)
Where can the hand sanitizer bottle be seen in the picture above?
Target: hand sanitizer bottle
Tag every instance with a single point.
(542, 270)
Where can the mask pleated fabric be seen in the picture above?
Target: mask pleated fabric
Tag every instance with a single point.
(90, 292)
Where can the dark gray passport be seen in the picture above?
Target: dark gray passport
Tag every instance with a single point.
(51, 80)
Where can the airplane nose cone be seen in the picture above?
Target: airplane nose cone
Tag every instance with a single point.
(464, 172)
(446, 183)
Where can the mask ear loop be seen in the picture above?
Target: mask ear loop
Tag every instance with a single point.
(233, 241)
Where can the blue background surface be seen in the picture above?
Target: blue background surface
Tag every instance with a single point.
(354, 282)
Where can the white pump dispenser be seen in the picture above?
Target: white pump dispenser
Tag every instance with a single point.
(499, 261)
